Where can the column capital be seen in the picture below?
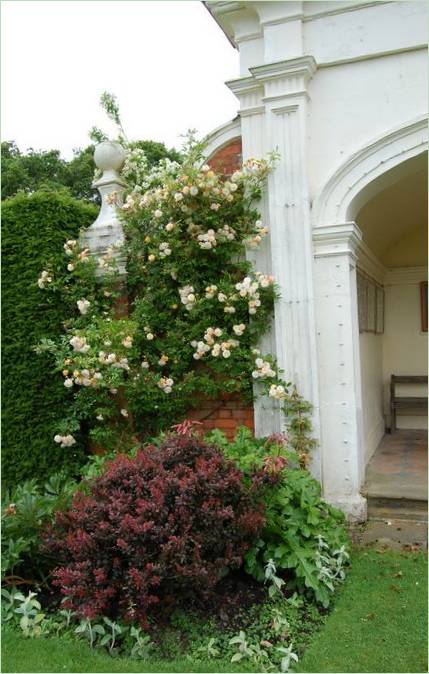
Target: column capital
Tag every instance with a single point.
(304, 66)
(249, 92)
(340, 239)
(271, 82)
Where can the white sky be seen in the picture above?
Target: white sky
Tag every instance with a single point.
(166, 61)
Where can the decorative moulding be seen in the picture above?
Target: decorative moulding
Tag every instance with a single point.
(405, 276)
(292, 107)
(372, 55)
(218, 7)
(222, 136)
(285, 108)
(283, 19)
(370, 264)
(364, 166)
(303, 65)
(243, 85)
(249, 37)
(350, 7)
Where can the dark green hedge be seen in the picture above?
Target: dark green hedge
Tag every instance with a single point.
(34, 229)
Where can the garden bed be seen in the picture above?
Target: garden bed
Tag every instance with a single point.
(378, 624)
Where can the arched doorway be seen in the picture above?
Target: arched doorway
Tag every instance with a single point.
(391, 278)
(359, 194)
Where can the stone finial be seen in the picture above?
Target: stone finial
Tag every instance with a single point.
(106, 231)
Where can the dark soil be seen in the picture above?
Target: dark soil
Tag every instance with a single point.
(236, 593)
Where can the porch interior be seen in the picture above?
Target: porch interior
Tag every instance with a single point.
(393, 338)
(398, 467)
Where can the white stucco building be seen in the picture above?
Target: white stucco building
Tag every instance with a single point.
(339, 89)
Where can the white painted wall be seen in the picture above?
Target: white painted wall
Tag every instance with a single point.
(404, 344)
(332, 35)
(354, 103)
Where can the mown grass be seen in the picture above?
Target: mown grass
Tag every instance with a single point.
(378, 624)
(58, 654)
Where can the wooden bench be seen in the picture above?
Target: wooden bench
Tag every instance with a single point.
(405, 402)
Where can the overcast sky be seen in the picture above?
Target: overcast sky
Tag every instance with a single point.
(165, 61)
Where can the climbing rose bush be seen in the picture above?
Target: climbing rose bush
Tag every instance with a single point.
(197, 307)
(166, 524)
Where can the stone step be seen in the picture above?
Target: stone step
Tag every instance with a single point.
(396, 534)
(382, 508)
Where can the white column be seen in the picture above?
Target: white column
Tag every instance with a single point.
(335, 252)
(268, 418)
(285, 100)
(106, 230)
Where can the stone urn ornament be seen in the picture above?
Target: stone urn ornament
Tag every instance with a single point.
(106, 230)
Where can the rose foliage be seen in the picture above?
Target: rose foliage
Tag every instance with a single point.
(197, 308)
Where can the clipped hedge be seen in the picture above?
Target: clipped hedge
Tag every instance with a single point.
(34, 229)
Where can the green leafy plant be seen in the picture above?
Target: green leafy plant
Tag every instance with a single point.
(29, 609)
(287, 656)
(304, 544)
(9, 602)
(331, 563)
(209, 650)
(91, 631)
(296, 516)
(244, 648)
(280, 623)
(141, 644)
(110, 638)
(275, 583)
(256, 652)
(26, 510)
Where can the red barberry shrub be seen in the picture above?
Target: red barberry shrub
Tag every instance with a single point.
(166, 524)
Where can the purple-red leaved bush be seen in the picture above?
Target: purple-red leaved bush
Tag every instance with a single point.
(166, 524)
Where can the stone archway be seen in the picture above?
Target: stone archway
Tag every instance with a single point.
(365, 172)
(339, 248)
(393, 222)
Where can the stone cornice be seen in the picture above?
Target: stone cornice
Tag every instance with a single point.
(343, 9)
(249, 92)
(372, 55)
(369, 263)
(221, 7)
(405, 276)
(302, 66)
(243, 85)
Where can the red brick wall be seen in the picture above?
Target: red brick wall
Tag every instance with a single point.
(227, 414)
(228, 159)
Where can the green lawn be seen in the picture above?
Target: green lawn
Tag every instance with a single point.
(379, 624)
(56, 654)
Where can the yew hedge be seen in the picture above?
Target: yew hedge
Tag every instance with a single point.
(34, 229)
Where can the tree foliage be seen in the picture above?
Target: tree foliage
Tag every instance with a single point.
(46, 169)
